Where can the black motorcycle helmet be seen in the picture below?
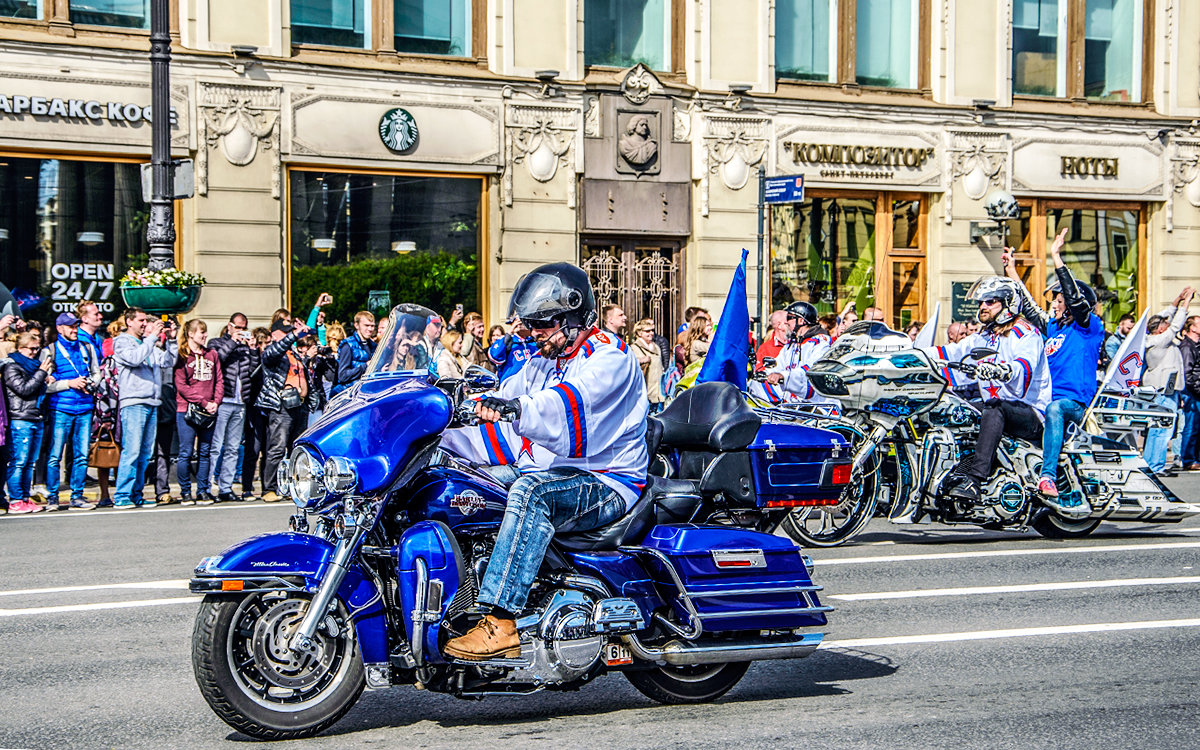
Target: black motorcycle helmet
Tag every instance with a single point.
(556, 294)
(805, 311)
(1088, 293)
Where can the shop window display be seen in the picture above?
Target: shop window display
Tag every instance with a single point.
(823, 251)
(1102, 250)
(416, 238)
(69, 230)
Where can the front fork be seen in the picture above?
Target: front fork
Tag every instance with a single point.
(335, 573)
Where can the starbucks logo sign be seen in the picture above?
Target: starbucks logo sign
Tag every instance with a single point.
(398, 131)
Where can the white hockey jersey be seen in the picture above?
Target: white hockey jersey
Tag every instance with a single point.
(586, 411)
(1023, 349)
(793, 362)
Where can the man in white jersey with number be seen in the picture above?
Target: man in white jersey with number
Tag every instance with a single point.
(578, 414)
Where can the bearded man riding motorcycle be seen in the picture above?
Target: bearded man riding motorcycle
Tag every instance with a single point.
(807, 343)
(1014, 382)
(578, 436)
(1074, 335)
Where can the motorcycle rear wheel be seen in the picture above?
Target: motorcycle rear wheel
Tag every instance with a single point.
(1053, 526)
(675, 685)
(829, 526)
(255, 684)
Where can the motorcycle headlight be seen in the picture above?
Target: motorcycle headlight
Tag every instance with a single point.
(340, 475)
(306, 478)
(283, 477)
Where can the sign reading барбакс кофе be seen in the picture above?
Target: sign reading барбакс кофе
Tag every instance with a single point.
(77, 109)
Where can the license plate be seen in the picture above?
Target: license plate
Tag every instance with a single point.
(617, 654)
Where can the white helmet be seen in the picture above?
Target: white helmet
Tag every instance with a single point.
(1001, 289)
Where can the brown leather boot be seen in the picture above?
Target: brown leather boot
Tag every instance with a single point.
(490, 639)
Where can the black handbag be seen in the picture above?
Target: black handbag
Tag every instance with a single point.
(198, 418)
(289, 398)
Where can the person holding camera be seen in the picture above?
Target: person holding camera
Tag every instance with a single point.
(71, 404)
(239, 359)
(282, 397)
(26, 377)
(320, 367)
(145, 354)
(199, 389)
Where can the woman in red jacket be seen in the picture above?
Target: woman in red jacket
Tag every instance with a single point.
(198, 383)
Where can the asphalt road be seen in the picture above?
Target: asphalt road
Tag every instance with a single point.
(943, 637)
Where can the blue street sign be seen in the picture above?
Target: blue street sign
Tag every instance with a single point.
(784, 189)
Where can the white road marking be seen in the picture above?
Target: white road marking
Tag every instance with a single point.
(98, 605)
(136, 512)
(177, 584)
(984, 635)
(1012, 589)
(875, 559)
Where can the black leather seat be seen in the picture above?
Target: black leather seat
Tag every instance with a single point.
(708, 417)
(628, 529)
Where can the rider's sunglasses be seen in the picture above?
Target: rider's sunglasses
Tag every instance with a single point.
(990, 301)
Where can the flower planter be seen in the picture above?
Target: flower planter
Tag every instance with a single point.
(162, 300)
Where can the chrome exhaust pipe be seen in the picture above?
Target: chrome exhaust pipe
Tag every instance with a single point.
(679, 653)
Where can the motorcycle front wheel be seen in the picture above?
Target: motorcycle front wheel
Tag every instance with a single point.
(831, 525)
(1052, 526)
(687, 684)
(252, 679)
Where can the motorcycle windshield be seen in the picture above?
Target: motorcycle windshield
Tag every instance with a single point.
(404, 347)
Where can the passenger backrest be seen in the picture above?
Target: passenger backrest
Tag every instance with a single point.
(709, 417)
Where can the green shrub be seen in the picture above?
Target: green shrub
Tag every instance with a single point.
(437, 280)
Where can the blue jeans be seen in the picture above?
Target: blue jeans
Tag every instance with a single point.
(77, 430)
(226, 440)
(188, 437)
(538, 504)
(1058, 414)
(25, 445)
(139, 425)
(1158, 438)
(1189, 409)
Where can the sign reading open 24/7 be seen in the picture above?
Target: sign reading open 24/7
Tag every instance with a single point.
(784, 189)
(72, 282)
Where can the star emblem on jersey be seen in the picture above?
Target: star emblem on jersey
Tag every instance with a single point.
(526, 449)
(993, 391)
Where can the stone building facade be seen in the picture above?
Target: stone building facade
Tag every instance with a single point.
(625, 135)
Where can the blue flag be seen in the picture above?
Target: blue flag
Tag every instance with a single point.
(728, 357)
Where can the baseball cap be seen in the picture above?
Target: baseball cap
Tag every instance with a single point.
(66, 319)
(281, 325)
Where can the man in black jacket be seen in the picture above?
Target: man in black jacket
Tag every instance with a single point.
(1189, 403)
(284, 390)
(238, 362)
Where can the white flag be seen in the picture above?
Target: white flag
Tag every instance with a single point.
(1125, 371)
(924, 337)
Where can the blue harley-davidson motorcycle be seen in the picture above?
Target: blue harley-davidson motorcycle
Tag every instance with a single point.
(393, 533)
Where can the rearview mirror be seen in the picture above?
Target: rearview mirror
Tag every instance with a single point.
(768, 363)
(980, 352)
(480, 379)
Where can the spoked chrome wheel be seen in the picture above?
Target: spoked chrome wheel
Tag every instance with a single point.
(831, 525)
(253, 680)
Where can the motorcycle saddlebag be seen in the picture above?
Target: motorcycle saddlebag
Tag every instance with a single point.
(795, 465)
(734, 579)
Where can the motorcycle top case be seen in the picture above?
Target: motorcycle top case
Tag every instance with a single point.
(737, 579)
(788, 461)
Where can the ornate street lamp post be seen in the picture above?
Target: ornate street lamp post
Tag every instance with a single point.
(160, 232)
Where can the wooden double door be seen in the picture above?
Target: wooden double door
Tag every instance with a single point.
(644, 277)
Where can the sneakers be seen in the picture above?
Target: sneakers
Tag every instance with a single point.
(1047, 488)
(490, 638)
(187, 499)
(23, 506)
(52, 504)
(271, 497)
(250, 497)
(1069, 506)
(229, 497)
(105, 503)
(204, 499)
(146, 504)
(81, 504)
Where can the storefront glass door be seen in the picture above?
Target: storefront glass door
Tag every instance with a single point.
(69, 229)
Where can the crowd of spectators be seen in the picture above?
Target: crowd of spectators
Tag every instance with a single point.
(145, 396)
(142, 395)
